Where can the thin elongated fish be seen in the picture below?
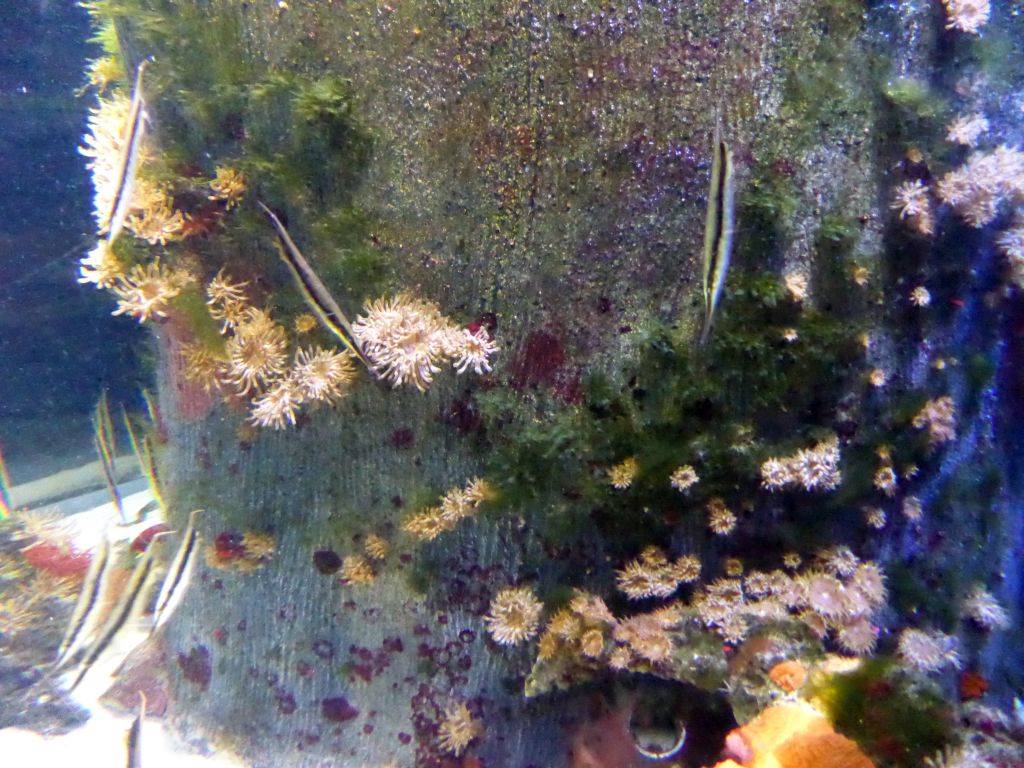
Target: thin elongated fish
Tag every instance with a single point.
(128, 606)
(718, 231)
(144, 455)
(103, 437)
(313, 290)
(133, 741)
(179, 574)
(131, 145)
(85, 617)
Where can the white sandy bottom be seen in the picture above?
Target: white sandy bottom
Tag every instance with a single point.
(102, 742)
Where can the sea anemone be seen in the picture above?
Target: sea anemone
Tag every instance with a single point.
(984, 610)
(939, 416)
(146, 291)
(621, 476)
(322, 375)
(915, 207)
(228, 186)
(356, 570)
(256, 353)
(928, 651)
(967, 129)
(278, 406)
(513, 616)
(967, 15)
(683, 478)
(721, 520)
(457, 730)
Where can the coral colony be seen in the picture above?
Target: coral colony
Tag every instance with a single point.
(793, 625)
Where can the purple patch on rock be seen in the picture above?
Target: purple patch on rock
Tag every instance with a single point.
(338, 709)
(196, 666)
(327, 561)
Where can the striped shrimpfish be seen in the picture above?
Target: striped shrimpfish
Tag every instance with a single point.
(313, 290)
(718, 231)
(131, 147)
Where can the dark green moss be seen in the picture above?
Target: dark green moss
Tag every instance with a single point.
(897, 723)
(749, 394)
(767, 207)
(191, 307)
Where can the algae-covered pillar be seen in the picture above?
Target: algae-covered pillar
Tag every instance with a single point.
(507, 202)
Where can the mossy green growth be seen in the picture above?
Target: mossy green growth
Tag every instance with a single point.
(896, 720)
(914, 96)
(723, 409)
(192, 308)
(767, 207)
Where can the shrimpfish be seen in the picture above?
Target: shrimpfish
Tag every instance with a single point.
(131, 146)
(129, 605)
(718, 231)
(179, 573)
(85, 617)
(313, 290)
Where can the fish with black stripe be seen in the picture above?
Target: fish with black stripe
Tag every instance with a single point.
(718, 231)
(179, 573)
(313, 290)
(131, 148)
(86, 615)
(129, 605)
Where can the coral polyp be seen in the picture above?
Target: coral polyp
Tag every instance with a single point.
(145, 292)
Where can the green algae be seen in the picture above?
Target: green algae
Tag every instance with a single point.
(751, 394)
(192, 309)
(897, 720)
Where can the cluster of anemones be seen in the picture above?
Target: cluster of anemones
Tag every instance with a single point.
(977, 189)
(812, 469)
(455, 506)
(407, 340)
(103, 145)
(587, 632)
(244, 552)
(254, 362)
(837, 595)
(654, 575)
(151, 215)
(939, 416)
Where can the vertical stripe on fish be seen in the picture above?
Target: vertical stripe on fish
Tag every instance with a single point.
(179, 573)
(718, 232)
(313, 290)
(131, 145)
(127, 607)
(85, 617)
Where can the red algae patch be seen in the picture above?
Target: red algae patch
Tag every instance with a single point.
(60, 561)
